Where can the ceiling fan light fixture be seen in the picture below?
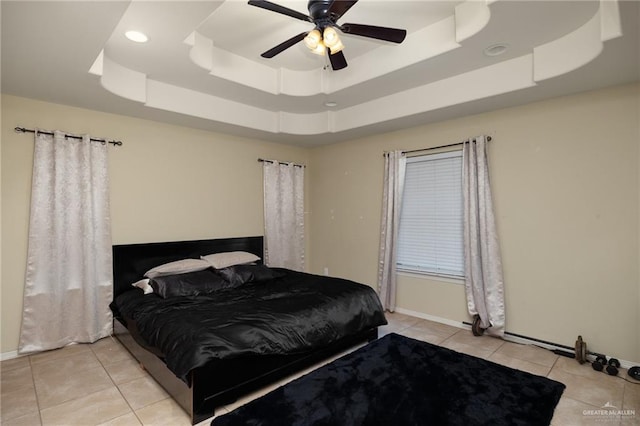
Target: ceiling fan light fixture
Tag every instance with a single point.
(330, 37)
(337, 47)
(313, 40)
(332, 40)
(320, 49)
(324, 39)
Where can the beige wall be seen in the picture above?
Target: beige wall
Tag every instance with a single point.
(566, 186)
(167, 183)
(565, 179)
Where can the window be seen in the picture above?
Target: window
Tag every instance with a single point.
(431, 223)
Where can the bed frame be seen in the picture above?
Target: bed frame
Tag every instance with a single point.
(219, 382)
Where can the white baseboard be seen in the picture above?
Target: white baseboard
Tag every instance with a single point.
(9, 355)
(509, 338)
(432, 318)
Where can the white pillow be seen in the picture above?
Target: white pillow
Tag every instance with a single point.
(178, 267)
(144, 285)
(230, 258)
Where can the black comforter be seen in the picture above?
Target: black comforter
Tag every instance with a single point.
(294, 313)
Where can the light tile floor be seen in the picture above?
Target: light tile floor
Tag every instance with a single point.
(101, 384)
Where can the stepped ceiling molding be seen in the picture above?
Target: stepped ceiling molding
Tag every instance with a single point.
(202, 66)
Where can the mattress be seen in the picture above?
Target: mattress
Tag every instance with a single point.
(293, 313)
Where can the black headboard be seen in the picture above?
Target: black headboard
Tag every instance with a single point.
(131, 261)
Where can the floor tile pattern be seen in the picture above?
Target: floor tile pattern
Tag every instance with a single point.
(102, 384)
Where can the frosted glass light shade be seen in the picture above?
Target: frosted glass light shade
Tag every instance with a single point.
(330, 37)
(313, 39)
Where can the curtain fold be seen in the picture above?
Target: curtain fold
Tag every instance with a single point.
(483, 264)
(68, 283)
(284, 215)
(394, 172)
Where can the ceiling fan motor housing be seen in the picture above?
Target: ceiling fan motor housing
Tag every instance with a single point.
(319, 10)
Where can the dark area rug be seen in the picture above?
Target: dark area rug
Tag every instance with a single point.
(401, 381)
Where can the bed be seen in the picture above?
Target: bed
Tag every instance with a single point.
(250, 334)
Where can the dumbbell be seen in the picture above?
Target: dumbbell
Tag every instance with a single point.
(611, 366)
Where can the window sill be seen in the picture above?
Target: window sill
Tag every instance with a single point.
(432, 277)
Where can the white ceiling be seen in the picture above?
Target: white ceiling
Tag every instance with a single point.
(202, 64)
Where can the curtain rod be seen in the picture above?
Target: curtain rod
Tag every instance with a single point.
(262, 160)
(19, 129)
(441, 146)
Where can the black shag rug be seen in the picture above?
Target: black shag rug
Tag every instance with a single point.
(401, 381)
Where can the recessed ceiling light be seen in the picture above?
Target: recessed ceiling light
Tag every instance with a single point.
(136, 36)
(330, 104)
(496, 49)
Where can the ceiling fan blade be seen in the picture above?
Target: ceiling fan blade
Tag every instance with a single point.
(264, 4)
(338, 61)
(381, 33)
(284, 45)
(339, 8)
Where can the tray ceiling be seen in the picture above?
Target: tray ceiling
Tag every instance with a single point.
(201, 66)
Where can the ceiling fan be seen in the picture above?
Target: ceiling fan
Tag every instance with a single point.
(324, 37)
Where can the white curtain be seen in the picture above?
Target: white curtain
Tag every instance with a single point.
(68, 284)
(394, 171)
(284, 215)
(483, 265)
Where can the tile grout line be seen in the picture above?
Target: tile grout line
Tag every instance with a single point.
(118, 387)
(84, 370)
(552, 367)
(91, 393)
(35, 391)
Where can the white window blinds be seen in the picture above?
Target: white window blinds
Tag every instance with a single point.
(431, 223)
